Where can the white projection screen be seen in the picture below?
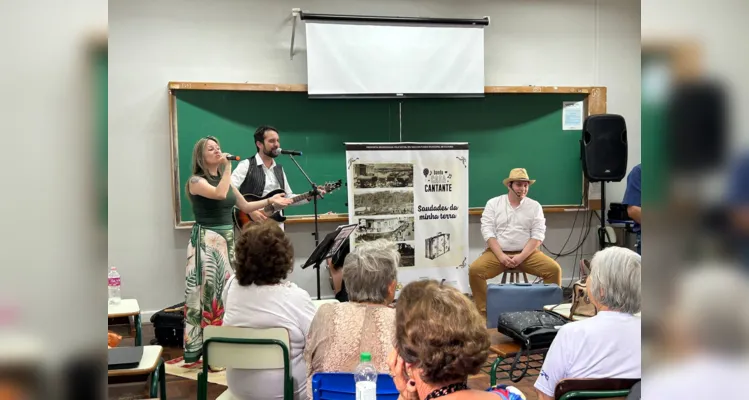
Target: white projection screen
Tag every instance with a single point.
(379, 59)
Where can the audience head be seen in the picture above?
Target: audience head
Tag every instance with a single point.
(264, 254)
(370, 272)
(707, 313)
(614, 280)
(439, 333)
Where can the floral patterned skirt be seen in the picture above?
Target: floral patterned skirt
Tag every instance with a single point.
(210, 254)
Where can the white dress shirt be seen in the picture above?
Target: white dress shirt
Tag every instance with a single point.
(269, 306)
(513, 227)
(604, 346)
(271, 183)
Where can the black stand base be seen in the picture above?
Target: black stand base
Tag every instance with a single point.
(316, 234)
(602, 234)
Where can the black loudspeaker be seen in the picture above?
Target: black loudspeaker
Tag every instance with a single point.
(696, 126)
(603, 148)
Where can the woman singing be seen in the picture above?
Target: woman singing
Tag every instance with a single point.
(210, 252)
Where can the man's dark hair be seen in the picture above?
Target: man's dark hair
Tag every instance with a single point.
(260, 134)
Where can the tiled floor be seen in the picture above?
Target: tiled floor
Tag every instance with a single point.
(186, 389)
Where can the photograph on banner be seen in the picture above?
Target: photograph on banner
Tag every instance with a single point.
(383, 175)
(415, 194)
(384, 202)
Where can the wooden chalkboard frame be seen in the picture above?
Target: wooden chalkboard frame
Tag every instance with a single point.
(685, 56)
(595, 98)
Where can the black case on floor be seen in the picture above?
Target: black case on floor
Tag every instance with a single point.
(169, 326)
(618, 211)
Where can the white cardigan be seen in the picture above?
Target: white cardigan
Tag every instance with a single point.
(273, 306)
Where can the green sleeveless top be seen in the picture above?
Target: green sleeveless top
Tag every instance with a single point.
(212, 212)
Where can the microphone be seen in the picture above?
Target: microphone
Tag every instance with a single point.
(289, 152)
(231, 157)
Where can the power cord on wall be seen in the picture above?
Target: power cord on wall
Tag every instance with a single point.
(581, 240)
(577, 249)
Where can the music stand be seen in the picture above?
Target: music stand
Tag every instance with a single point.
(330, 245)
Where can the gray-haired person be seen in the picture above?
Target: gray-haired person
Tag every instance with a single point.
(706, 332)
(340, 332)
(608, 344)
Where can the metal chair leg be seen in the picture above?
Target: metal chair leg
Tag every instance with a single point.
(493, 372)
(158, 377)
(162, 380)
(138, 330)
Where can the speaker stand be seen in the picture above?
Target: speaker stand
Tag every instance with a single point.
(602, 229)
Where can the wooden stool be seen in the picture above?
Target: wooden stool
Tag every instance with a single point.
(514, 276)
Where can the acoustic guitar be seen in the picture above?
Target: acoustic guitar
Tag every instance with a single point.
(276, 211)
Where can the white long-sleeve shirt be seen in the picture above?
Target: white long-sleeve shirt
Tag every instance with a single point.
(513, 227)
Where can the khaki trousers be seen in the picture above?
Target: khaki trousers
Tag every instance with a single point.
(487, 266)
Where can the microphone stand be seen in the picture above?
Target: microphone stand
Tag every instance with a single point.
(315, 193)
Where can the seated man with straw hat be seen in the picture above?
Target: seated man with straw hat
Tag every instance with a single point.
(513, 227)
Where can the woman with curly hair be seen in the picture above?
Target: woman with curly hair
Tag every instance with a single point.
(440, 339)
(259, 296)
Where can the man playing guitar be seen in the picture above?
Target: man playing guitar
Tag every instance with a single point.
(261, 174)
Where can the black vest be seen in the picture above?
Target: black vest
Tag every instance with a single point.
(254, 182)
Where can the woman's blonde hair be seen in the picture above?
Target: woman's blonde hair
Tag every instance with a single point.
(198, 162)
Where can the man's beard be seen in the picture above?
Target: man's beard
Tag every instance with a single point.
(270, 154)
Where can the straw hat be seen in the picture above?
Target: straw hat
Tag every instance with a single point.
(518, 174)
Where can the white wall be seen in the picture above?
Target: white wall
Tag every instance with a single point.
(540, 42)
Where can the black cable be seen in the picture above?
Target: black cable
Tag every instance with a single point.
(604, 228)
(579, 252)
(557, 255)
(580, 243)
(582, 238)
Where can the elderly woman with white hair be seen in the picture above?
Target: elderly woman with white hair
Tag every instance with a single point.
(705, 335)
(340, 332)
(608, 344)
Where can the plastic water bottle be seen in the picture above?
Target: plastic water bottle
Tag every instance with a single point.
(114, 286)
(365, 376)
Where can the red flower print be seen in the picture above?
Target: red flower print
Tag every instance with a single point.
(215, 317)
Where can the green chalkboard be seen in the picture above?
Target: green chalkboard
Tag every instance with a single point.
(504, 131)
(654, 151)
(317, 127)
(100, 75)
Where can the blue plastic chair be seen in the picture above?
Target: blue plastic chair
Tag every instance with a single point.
(341, 386)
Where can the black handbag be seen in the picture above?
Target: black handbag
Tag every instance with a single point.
(532, 330)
